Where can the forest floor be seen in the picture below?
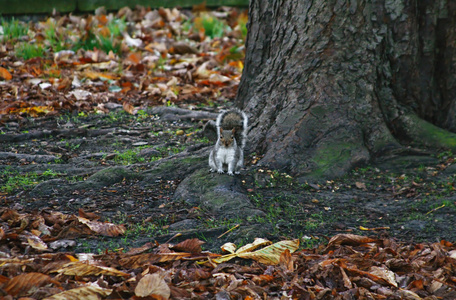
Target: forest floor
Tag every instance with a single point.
(103, 171)
(45, 160)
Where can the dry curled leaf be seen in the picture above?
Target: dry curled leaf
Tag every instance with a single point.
(107, 229)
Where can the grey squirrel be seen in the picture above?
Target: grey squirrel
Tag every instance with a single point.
(231, 138)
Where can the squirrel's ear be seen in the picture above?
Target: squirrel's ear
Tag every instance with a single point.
(221, 130)
(233, 130)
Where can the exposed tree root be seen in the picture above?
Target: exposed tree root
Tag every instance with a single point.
(422, 133)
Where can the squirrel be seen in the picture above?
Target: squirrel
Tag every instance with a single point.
(232, 128)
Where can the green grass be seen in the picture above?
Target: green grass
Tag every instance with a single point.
(13, 30)
(13, 180)
(128, 157)
(27, 51)
(117, 26)
(214, 27)
(56, 40)
(106, 42)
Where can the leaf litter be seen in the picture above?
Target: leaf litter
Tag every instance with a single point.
(348, 267)
(136, 58)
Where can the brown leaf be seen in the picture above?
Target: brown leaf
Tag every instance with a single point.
(286, 261)
(133, 58)
(24, 282)
(129, 108)
(90, 292)
(84, 269)
(349, 239)
(138, 261)
(144, 248)
(360, 185)
(152, 284)
(189, 245)
(107, 229)
(183, 48)
(88, 215)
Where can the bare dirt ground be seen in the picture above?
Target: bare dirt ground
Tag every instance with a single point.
(126, 169)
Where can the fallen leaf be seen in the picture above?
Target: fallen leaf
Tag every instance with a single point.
(189, 245)
(129, 108)
(385, 274)
(22, 283)
(140, 260)
(5, 74)
(79, 268)
(36, 243)
(269, 255)
(229, 247)
(349, 239)
(107, 229)
(133, 58)
(152, 284)
(92, 291)
(360, 185)
(258, 242)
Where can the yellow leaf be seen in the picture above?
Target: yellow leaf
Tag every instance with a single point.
(270, 255)
(258, 242)
(229, 247)
(71, 258)
(90, 292)
(224, 258)
(153, 284)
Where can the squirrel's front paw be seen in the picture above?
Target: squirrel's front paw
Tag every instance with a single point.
(230, 173)
(220, 171)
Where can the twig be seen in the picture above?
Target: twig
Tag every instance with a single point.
(433, 210)
(173, 237)
(236, 226)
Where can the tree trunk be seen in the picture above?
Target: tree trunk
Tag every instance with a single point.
(332, 84)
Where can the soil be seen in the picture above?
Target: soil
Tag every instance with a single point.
(149, 171)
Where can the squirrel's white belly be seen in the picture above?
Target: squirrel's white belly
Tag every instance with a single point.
(226, 155)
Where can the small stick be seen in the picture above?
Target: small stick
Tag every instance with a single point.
(236, 226)
(433, 210)
(173, 237)
(376, 228)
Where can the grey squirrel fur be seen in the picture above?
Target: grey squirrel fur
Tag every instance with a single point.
(231, 138)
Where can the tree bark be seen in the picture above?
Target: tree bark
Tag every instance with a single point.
(333, 84)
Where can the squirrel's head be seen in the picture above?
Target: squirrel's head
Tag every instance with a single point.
(227, 137)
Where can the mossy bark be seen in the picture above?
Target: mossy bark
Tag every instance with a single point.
(332, 84)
